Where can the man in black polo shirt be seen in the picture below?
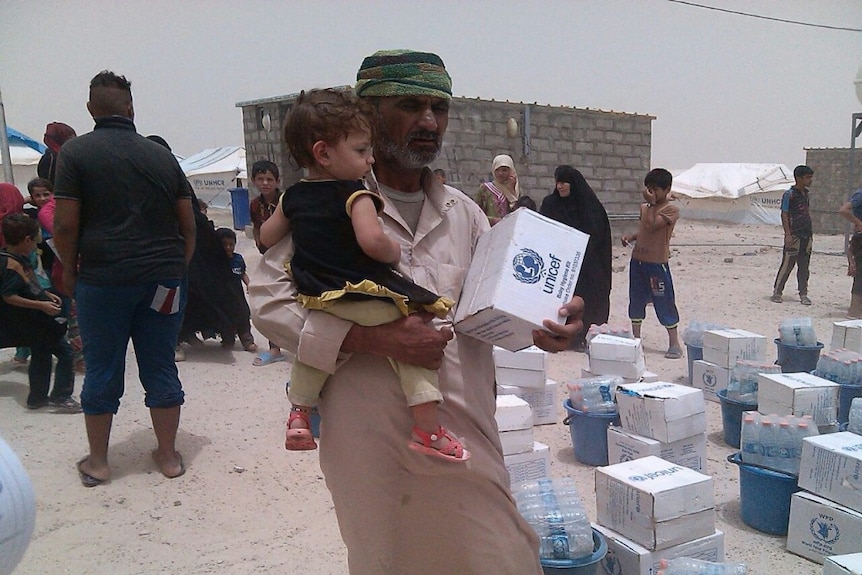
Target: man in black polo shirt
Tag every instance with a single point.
(796, 220)
(125, 231)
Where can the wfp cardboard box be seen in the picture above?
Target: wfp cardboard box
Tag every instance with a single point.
(625, 446)
(655, 503)
(542, 401)
(798, 394)
(818, 527)
(524, 269)
(850, 564)
(513, 413)
(533, 464)
(625, 557)
(709, 378)
(847, 334)
(724, 346)
(664, 411)
(831, 466)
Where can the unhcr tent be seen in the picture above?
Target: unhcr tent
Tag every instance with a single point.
(735, 193)
(25, 153)
(213, 171)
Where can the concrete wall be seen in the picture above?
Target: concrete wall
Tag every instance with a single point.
(831, 186)
(611, 149)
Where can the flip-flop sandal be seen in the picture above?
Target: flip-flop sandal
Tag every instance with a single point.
(267, 358)
(453, 452)
(88, 480)
(673, 353)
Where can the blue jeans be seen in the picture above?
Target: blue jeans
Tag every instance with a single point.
(151, 315)
(39, 372)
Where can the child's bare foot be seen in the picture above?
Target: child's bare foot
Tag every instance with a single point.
(438, 444)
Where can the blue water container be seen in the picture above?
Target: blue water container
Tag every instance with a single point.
(239, 207)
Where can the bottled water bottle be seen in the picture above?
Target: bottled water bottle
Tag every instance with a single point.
(555, 511)
(594, 394)
(691, 566)
(855, 424)
(789, 444)
(769, 441)
(750, 438)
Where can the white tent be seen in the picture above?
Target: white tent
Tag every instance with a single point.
(735, 193)
(25, 153)
(213, 171)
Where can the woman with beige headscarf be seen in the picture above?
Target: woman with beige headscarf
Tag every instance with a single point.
(497, 198)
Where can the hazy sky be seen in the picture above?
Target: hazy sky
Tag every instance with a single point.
(723, 87)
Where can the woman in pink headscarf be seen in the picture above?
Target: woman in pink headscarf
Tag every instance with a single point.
(11, 201)
(56, 134)
(497, 197)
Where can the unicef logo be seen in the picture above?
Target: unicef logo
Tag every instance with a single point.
(528, 266)
(825, 531)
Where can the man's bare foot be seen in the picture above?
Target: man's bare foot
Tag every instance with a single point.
(170, 466)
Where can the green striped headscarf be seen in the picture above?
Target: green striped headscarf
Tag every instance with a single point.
(403, 73)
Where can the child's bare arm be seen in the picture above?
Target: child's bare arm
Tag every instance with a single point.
(273, 229)
(245, 278)
(51, 307)
(369, 233)
(652, 217)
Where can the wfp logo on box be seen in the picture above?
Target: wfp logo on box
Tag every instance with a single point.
(528, 266)
(823, 529)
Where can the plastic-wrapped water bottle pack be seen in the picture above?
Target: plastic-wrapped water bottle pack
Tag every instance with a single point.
(798, 331)
(693, 333)
(691, 566)
(594, 394)
(743, 379)
(555, 511)
(841, 366)
(774, 441)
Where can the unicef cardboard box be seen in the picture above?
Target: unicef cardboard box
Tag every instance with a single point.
(819, 527)
(625, 557)
(524, 269)
(655, 503)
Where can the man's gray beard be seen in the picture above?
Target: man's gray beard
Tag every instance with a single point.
(386, 149)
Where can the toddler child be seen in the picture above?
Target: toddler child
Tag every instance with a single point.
(343, 261)
(649, 272)
(237, 266)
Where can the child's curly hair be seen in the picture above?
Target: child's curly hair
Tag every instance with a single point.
(324, 115)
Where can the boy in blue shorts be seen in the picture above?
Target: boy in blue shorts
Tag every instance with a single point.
(240, 274)
(649, 273)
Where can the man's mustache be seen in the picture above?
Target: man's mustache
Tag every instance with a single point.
(423, 135)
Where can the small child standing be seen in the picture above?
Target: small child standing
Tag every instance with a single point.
(29, 318)
(344, 262)
(649, 272)
(264, 175)
(237, 266)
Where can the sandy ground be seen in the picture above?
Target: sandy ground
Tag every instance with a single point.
(247, 506)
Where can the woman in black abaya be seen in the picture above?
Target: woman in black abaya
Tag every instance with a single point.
(574, 203)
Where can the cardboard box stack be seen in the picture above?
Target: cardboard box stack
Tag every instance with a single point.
(614, 355)
(524, 269)
(649, 509)
(826, 518)
(659, 419)
(721, 350)
(524, 458)
(523, 373)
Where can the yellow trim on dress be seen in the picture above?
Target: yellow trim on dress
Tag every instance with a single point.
(439, 308)
(375, 197)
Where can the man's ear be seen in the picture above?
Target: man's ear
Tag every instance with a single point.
(320, 151)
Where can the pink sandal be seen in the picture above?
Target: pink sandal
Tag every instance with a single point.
(454, 451)
(299, 439)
